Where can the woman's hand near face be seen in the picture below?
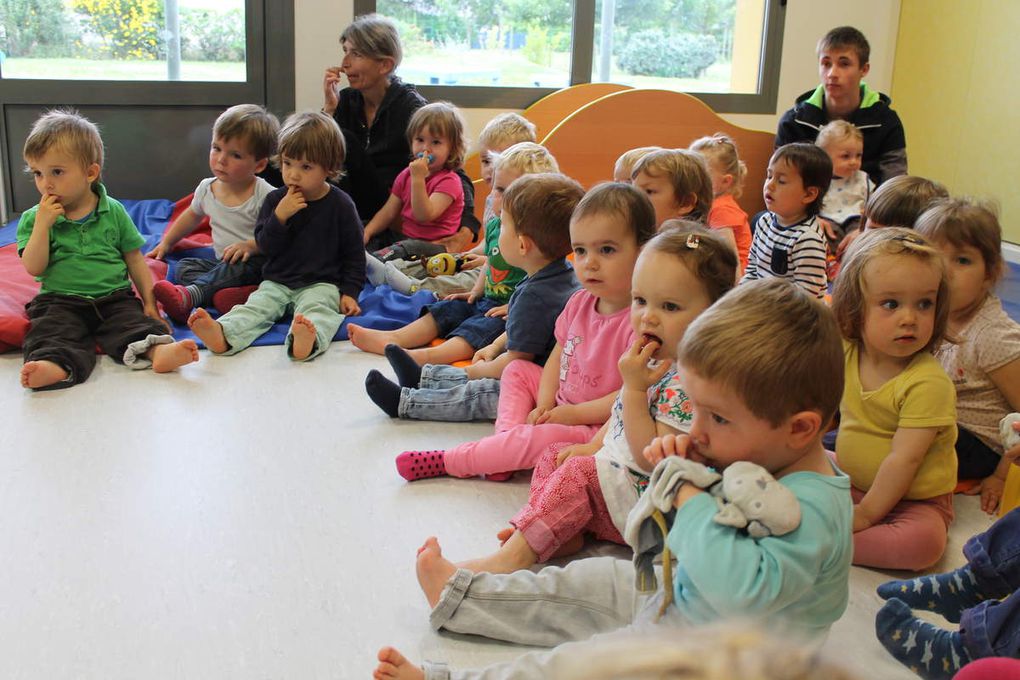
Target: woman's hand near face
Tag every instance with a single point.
(330, 89)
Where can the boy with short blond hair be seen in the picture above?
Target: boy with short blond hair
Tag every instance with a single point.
(843, 55)
(83, 247)
(244, 138)
(753, 400)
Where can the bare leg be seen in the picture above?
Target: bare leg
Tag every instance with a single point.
(454, 349)
(170, 357)
(393, 664)
(414, 334)
(513, 555)
(208, 330)
(36, 374)
(433, 570)
(303, 333)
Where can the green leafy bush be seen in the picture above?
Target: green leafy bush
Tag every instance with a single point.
(35, 28)
(210, 35)
(123, 29)
(679, 55)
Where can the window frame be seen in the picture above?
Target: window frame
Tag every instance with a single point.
(583, 48)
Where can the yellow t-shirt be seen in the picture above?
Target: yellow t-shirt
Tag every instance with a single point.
(922, 395)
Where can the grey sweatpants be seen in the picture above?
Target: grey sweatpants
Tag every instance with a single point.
(569, 609)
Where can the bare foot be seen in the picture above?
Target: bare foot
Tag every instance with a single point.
(370, 340)
(514, 554)
(169, 357)
(36, 374)
(571, 547)
(208, 330)
(303, 337)
(433, 570)
(393, 664)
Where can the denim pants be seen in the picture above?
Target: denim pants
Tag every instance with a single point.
(557, 607)
(445, 393)
(320, 302)
(992, 628)
(209, 276)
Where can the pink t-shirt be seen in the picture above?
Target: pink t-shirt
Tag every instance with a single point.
(726, 213)
(592, 345)
(445, 182)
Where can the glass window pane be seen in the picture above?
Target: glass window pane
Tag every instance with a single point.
(514, 43)
(683, 45)
(123, 40)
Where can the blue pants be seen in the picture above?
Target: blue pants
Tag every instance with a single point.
(205, 277)
(992, 628)
(445, 393)
(467, 320)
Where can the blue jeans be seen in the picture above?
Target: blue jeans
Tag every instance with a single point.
(205, 277)
(445, 393)
(992, 628)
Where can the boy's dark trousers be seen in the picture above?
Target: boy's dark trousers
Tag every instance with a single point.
(65, 329)
(992, 628)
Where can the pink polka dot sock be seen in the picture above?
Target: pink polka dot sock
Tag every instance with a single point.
(415, 465)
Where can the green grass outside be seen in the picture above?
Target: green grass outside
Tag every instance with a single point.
(110, 69)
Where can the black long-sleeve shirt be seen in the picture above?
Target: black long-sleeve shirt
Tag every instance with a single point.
(323, 243)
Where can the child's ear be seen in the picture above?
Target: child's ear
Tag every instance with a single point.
(92, 172)
(727, 181)
(687, 205)
(525, 244)
(803, 428)
(261, 165)
(810, 194)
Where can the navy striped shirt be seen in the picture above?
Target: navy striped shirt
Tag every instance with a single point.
(795, 253)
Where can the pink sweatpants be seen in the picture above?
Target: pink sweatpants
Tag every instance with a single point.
(516, 445)
(912, 536)
(564, 502)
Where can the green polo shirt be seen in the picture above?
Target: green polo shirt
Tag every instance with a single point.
(86, 258)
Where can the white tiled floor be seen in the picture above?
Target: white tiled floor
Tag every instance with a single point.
(242, 518)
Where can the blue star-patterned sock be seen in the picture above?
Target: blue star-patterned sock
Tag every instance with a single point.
(946, 594)
(929, 651)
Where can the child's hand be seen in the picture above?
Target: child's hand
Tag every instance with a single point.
(557, 415)
(537, 413)
(419, 167)
(473, 261)
(665, 446)
(239, 252)
(498, 312)
(159, 252)
(50, 208)
(290, 205)
(152, 312)
(685, 493)
(847, 240)
(634, 369)
(829, 229)
(469, 296)
(487, 353)
(991, 493)
(588, 449)
(349, 306)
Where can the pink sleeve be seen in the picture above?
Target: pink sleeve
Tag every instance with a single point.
(400, 185)
(450, 185)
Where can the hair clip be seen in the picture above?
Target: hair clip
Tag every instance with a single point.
(693, 241)
(912, 239)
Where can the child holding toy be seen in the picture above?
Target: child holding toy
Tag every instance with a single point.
(427, 198)
(763, 372)
(315, 260)
(727, 172)
(83, 247)
(593, 487)
(468, 321)
(244, 138)
(570, 398)
(898, 414)
(984, 362)
(788, 241)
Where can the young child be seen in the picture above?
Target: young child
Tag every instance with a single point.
(244, 138)
(727, 172)
(981, 596)
(310, 234)
(676, 182)
(534, 236)
(571, 397)
(499, 134)
(898, 414)
(896, 203)
(850, 188)
(83, 247)
(788, 242)
(593, 487)
(763, 370)
(984, 363)
(427, 196)
(623, 170)
(469, 321)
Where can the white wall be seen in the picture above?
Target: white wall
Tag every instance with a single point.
(319, 22)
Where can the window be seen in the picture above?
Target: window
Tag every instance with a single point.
(198, 40)
(508, 54)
